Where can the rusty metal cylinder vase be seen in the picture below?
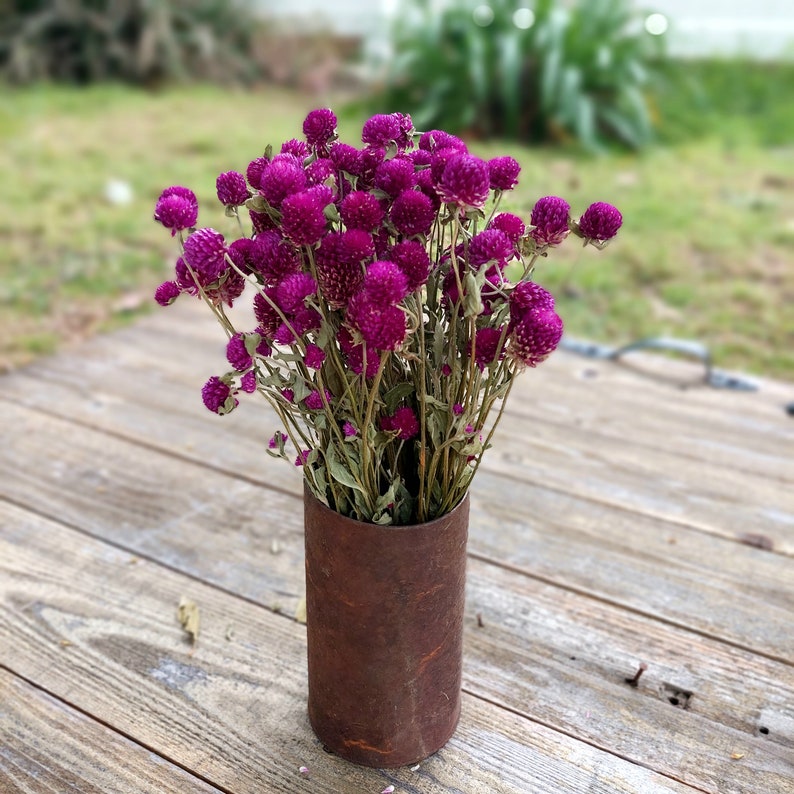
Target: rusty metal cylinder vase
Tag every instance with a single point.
(384, 614)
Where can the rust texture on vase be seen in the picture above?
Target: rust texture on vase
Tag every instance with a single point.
(384, 611)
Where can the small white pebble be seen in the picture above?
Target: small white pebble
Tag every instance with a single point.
(415, 768)
(304, 770)
(388, 790)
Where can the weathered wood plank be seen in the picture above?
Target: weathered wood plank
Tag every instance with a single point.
(136, 497)
(49, 747)
(90, 623)
(537, 626)
(96, 481)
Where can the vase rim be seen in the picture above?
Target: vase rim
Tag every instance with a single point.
(309, 494)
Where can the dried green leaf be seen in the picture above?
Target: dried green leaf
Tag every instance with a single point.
(396, 394)
(188, 614)
(338, 471)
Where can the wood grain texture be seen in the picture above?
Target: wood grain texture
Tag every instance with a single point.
(49, 748)
(132, 495)
(523, 660)
(94, 626)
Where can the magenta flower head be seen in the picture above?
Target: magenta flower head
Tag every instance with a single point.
(435, 140)
(490, 245)
(395, 175)
(217, 396)
(205, 252)
(385, 284)
(177, 209)
(349, 429)
(167, 293)
(403, 422)
(315, 356)
(296, 148)
(319, 127)
(550, 218)
(382, 130)
(527, 296)
(600, 222)
(255, 169)
(413, 260)
(535, 336)
(303, 215)
(339, 277)
(511, 225)
(412, 213)
(361, 210)
(283, 177)
(345, 157)
(465, 182)
(237, 354)
(293, 290)
(504, 173)
(486, 348)
(231, 188)
(381, 327)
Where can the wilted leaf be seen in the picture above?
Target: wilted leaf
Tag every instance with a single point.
(300, 610)
(188, 614)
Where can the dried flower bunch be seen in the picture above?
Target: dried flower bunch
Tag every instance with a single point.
(386, 327)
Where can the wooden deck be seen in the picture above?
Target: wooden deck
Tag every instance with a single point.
(619, 520)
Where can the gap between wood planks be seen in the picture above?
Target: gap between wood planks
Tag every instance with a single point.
(113, 729)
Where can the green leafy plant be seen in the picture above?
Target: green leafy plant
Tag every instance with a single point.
(539, 71)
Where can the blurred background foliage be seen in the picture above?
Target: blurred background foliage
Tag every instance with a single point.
(135, 41)
(698, 153)
(544, 74)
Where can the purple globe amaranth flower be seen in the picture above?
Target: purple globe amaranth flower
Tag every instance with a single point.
(319, 127)
(403, 422)
(600, 221)
(339, 277)
(412, 213)
(254, 171)
(465, 182)
(349, 430)
(283, 177)
(296, 148)
(535, 336)
(413, 260)
(527, 296)
(371, 158)
(357, 355)
(205, 252)
(293, 290)
(303, 215)
(266, 312)
(381, 327)
(361, 210)
(261, 222)
(273, 257)
(322, 171)
(356, 246)
(345, 157)
(248, 382)
(315, 356)
(490, 245)
(167, 293)
(240, 252)
(177, 209)
(510, 224)
(217, 396)
(231, 188)
(382, 130)
(385, 284)
(486, 347)
(457, 409)
(314, 400)
(304, 320)
(394, 176)
(302, 458)
(435, 140)
(237, 354)
(550, 218)
(503, 172)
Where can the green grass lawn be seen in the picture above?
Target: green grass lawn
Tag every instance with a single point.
(706, 252)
